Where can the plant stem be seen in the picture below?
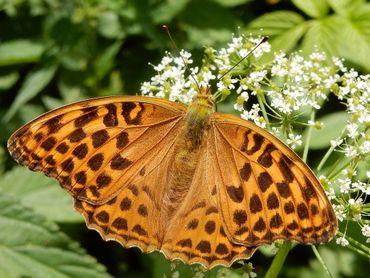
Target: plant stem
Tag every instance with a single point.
(308, 139)
(278, 260)
(321, 261)
(354, 242)
(263, 109)
(360, 252)
(328, 153)
(325, 158)
(332, 176)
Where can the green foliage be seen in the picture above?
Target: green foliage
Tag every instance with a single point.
(31, 246)
(54, 52)
(20, 51)
(42, 194)
(340, 28)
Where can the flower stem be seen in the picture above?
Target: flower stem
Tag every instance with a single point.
(328, 153)
(278, 260)
(263, 109)
(308, 139)
(361, 248)
(365, 209)
(332, 175)
(325, 158)
(321, 261)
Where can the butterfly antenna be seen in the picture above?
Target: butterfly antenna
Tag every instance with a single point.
(165, 27)
(264, 39)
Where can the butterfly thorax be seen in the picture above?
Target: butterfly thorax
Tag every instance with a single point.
(187, 150)
(197, 117)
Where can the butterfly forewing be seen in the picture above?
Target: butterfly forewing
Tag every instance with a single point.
(95, 147)
(266, 192)
(133, 216)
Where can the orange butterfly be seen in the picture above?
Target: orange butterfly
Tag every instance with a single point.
(197, 185)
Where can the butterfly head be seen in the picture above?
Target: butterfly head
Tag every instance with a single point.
(204, 99)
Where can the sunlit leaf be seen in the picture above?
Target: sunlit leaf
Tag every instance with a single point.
(35, 81)
(36, 191)
(313, 8)
(8, 80)
(33, 247)
(109, 25)
(231, 3)
(20, 51)
(105, 62)
(207, 28)
(167, 10)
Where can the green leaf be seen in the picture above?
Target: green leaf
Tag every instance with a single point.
(167, 10)
(35, 81)
(109, 25)
(285, 29)
(354, 33)
(20, 51)
(70, 87)
(43, 194)
(52, 102)
(231, 3)
(105, 62)
(340, 36)
(73, 44)
(29, 111)
(288, 40)
(345, 7)
(8, 80)
(275, 23)
(332, 128)
(313, 8)
(322, 35)
(31, 246)
(206, 28)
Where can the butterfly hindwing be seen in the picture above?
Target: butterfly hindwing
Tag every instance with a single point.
(94, 147)
(266, 192)
(196, 233)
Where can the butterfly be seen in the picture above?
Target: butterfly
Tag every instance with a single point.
(197, 185)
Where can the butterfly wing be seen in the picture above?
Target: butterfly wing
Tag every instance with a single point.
(265, 191)
(95, 148)
(133, 216)
(196, 233)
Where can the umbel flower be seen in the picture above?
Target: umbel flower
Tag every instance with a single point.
(284, 96)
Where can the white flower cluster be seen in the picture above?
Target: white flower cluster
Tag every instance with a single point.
(365, 230)
(177, 81)
(350, 201)
(285, 88)
(354, 91)
(297, 82)
(342, 241)
(171, 81)
(352, 189)
(294, 140)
